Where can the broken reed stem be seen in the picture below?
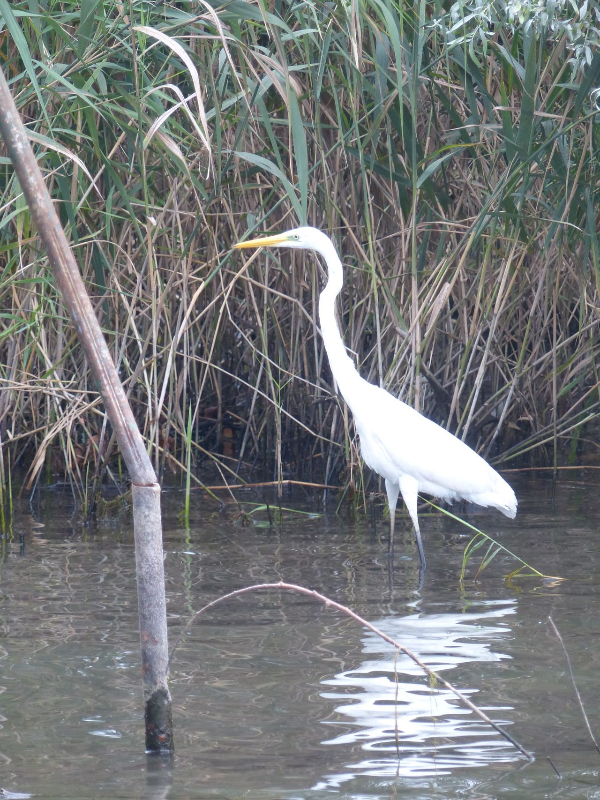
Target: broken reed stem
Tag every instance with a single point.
(281, 585)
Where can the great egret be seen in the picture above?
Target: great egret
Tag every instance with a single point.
(412, 453)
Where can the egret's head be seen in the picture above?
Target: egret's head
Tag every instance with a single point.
(301, 238)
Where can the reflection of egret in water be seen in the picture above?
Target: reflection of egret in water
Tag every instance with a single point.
(408, 727)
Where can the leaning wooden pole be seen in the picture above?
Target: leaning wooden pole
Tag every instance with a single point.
(146, 491)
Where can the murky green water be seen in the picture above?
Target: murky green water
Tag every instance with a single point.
(278, 697)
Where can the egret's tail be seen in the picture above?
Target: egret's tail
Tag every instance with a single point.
(499, 495)
(509, 509)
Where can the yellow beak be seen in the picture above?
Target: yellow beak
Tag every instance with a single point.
(263, 241)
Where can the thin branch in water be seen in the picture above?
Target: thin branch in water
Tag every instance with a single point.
(554, 768)
(579, 700)
(281, 585)
(483, 537)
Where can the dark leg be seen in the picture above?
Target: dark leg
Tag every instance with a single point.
(408, 487)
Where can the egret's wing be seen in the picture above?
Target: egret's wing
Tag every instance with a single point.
(416, 446)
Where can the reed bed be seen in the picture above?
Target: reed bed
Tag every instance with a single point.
(459, 183)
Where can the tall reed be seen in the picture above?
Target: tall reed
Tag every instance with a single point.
(461, 186)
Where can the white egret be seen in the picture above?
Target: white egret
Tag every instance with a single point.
(412, 453)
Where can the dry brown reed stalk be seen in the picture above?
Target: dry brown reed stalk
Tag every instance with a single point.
(465, 216)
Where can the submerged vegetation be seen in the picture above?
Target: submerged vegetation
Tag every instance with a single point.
(460, 181)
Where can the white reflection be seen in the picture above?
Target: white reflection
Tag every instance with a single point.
(406, 727)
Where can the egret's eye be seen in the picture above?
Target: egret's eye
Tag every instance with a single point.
(296, 237)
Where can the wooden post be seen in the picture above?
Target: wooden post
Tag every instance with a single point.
(146, 490)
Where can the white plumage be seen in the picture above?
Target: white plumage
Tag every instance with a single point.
(412, 453)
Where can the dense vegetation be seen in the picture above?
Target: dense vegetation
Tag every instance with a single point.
(452, 155)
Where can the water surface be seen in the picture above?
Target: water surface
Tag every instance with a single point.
(276, 696)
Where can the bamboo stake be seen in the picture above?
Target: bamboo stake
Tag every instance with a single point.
(146, 490)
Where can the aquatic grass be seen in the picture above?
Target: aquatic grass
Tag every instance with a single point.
(274, 513)
(494, 547)
(462, 194)
(5, 490)
(188, 468)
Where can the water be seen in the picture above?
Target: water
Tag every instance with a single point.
(275, 696)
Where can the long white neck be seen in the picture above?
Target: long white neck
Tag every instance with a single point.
(340, 362)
